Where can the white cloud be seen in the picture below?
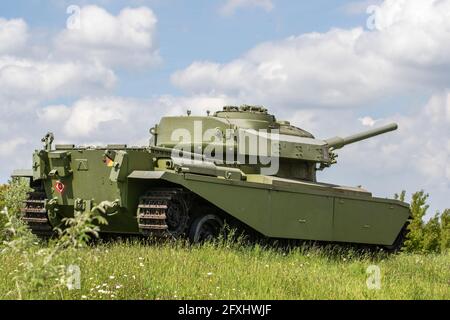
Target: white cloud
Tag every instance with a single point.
(413, 33)
(112, 119)
(420, 147)
(54, 113)
(198, 104)
(340, 67)
(87, 116)
(21, 78)
(27, 80)
(8, 148)
(13, 35)
(125, 40)
(80, 62)
(230, 6)
(92, 119)
(311, 69)
(368, 121)
(70, 65)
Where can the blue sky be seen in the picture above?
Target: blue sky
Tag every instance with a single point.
(316, 63)
(188, 33)
(196, 32)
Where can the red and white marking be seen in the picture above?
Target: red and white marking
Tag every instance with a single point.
(59, 186)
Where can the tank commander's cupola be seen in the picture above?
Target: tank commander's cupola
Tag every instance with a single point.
(246, 113)
(244, 108)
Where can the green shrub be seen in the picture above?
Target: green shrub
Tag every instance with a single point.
(15, 193)
(414, 240)
(39, 265)
(12, 196)
(3, 189)
(432, 235)
(426, 236)
(445, 230)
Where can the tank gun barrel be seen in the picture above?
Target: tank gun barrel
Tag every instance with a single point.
(338, 142)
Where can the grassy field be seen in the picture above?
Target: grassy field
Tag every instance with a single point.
(177, 271)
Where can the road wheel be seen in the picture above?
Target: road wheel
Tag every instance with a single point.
(164, 213)
(206, 227)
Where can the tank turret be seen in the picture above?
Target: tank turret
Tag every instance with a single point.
(250, 138)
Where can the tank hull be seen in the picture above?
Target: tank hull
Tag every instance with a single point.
(274, 207)
(240, 164)
(298, 210)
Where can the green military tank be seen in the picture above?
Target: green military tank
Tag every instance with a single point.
(239, 165)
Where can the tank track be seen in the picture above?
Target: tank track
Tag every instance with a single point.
(157, 211)
(35, 214)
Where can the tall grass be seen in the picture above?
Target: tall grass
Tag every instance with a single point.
(133, 270)
(39, 267)
(227, 269)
